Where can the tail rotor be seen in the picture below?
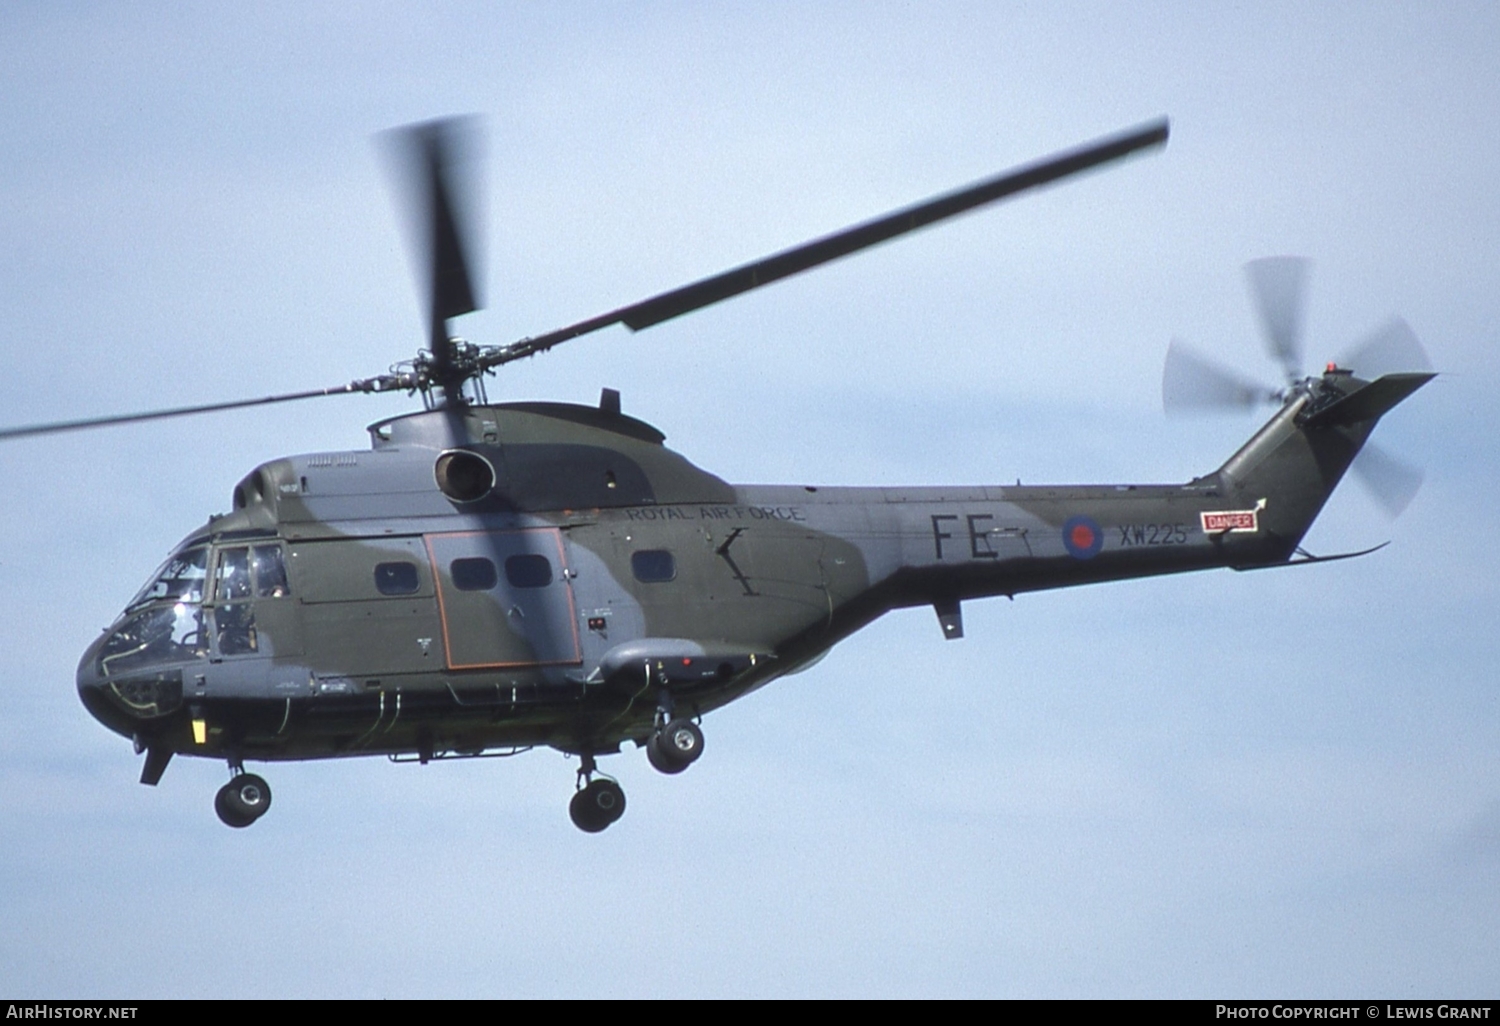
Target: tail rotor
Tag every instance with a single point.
(1390, 481)
(1279, 287)
(1390, 349)
(1192, 383)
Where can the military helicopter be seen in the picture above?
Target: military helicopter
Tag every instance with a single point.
(492, 577)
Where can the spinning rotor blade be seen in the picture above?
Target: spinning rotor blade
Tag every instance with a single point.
(437, 181)
(435, 178)
(1190, 383)
(1391, 482)
(711, 290)
(179, 411)
(1389, 349)
(1277, 285)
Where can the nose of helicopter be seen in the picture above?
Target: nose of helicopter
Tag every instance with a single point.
(91, 683)
(95, 693)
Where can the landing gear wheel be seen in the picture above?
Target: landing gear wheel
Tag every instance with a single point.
(659, 762)
(243, 800)
(227, 815)
(598, 804)
(675, 747)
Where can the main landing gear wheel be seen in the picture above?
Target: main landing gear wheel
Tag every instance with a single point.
(243, 800)
(675, 747)
(596, 805)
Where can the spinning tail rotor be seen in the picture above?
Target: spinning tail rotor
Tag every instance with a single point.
(1192, 383)
(1279, 286)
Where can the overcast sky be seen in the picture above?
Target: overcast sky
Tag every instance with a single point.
(1223, 784)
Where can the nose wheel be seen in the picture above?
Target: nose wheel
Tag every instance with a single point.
(243, 800)
(596, 805)
(598, 802)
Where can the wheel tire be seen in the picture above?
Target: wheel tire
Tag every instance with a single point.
(230, 815)
(247, 796)
(597, 805)
(609, 799)
(584, 816)
(660, 760)
(680, 742)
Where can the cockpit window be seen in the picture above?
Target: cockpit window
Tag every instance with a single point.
(166, 622)
(180, 579)
(234, 575)
(270, 572)
(164, 634)
(234, 617)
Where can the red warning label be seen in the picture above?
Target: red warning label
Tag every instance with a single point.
(1235, 521)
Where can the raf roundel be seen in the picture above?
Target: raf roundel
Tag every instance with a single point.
(1082, 537)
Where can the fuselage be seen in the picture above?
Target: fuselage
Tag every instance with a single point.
(546, 574)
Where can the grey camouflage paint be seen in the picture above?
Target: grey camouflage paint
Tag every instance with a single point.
(765, 578)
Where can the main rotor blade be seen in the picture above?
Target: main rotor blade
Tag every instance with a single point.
(749, 276)
(1391, 482)
(436, 176)
(1191, 384)
(1390, 349)
(1277, 285)
(179, 411)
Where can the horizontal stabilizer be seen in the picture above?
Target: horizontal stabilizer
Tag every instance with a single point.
(1304, 558)
(1371, 401)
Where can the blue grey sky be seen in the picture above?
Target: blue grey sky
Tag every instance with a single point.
(1222, 784)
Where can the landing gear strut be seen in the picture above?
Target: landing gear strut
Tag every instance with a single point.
(244, 799)
(598, 803)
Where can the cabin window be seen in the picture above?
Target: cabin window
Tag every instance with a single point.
(528, 570)
(475, 574)
(396, 578)
(652, 566)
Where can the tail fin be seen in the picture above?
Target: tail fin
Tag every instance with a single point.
(1295, 461)
(1371, 401)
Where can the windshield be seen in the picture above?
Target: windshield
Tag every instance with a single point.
(167, 621)
(180, 579)
(164, 622)
(162, 634)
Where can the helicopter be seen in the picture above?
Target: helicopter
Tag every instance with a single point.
(488, 578)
